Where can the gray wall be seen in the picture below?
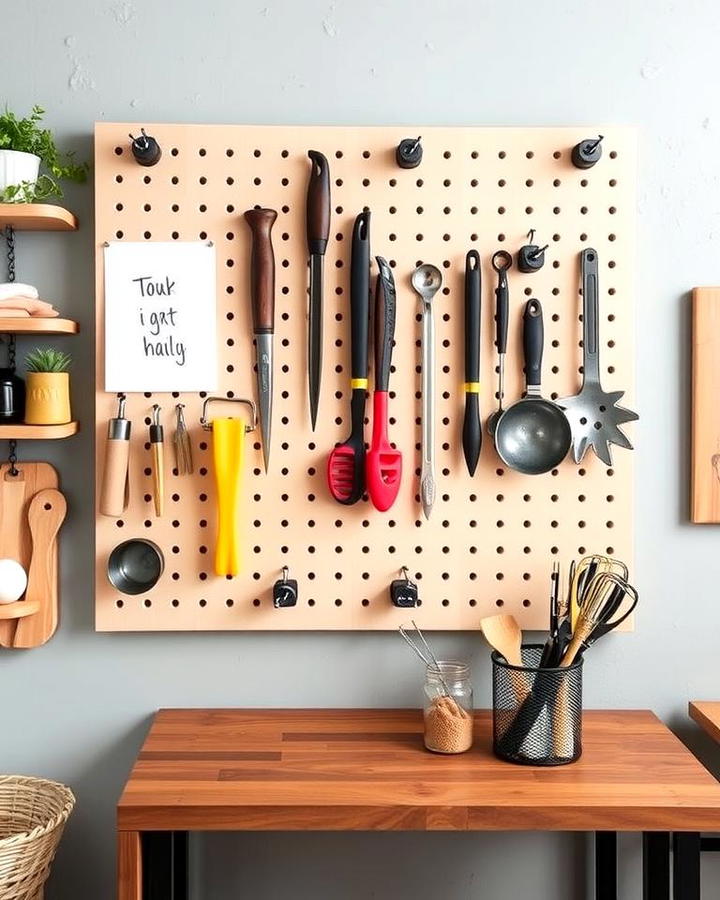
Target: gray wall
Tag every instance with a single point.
(77, 710)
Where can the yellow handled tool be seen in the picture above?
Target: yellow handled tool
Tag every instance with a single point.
(228, 456)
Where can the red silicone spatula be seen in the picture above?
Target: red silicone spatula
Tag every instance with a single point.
(384, 462)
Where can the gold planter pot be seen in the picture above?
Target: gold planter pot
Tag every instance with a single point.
(47, 398)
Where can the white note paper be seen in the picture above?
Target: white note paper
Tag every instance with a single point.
(160, 317)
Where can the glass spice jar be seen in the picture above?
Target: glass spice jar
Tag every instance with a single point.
(448, 708)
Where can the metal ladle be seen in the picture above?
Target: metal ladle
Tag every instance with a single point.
(426, 281)
(533, 435)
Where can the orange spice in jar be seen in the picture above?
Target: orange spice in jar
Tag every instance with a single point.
(448, 710)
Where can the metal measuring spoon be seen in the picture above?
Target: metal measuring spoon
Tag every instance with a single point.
(426, 281)
(501, 262)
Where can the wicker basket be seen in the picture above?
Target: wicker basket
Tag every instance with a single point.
(33, 813)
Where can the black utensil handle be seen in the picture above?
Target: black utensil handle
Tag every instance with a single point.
(591, 326)
(360, 296)
(318, 204)
(502, 312)
(472, 431)
(533, 337)
(472, 317)
(384, 323)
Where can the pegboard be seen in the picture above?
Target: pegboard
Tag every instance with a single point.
(491, 539)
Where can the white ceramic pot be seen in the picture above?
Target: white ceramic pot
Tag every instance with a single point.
(17, 167)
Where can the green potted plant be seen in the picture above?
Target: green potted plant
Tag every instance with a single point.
(26, 148)
(47, 388)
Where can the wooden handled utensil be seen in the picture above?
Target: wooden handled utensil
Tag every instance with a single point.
(18, 485)
(46, 514)
(504, 635)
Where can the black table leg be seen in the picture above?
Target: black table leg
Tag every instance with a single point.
(165, 865)
(686, 865)
(606, 865)
(656, 865)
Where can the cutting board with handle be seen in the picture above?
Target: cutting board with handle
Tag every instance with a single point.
(705, 490)
(16, 492)
(46, 514)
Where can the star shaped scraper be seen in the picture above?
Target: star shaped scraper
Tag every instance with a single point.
(594, 418)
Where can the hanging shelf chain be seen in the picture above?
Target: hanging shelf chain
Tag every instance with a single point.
(10, 242)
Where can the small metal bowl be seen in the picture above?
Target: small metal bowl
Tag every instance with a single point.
(135, 566)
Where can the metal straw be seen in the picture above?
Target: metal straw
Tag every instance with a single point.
(431, 662)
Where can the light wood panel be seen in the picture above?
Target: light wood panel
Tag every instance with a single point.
(367, 769)
(707, 715)
(37, 217)
(491, 539)
(705, 476)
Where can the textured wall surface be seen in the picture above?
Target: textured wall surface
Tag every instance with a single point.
(77, 709)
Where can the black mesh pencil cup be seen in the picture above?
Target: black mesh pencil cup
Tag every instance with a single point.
(537, 713)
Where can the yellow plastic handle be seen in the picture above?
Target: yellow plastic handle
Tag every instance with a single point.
(228, 455)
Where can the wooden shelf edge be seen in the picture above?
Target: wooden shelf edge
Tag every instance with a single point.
(37, 325)
(19, 609)
(38, 432)
(706, 714)
(37, 217)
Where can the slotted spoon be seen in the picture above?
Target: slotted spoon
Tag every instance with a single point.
(593, 414)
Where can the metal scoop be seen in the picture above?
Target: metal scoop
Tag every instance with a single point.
(426, 281)
(532, 436)
(593, 414)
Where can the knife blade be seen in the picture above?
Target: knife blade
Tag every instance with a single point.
(318, 230)
(262, 295)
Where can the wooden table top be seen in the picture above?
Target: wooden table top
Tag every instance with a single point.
(707, 715)
(357, 769)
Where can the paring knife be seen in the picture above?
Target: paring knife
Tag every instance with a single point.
(262, 292)
(472, 430)
(318, 230)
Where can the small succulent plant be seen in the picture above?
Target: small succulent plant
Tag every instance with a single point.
(47, 360)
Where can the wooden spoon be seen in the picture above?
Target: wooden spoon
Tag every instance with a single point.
(503, 634)
(46, 514)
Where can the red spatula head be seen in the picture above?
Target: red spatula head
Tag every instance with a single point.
(383, 472)
(345, 473)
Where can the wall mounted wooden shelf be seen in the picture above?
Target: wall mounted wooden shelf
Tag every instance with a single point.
(38, 432)
(36, 325)
(37, 217)
(19, 609)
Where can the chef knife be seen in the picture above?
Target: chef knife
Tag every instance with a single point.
(262, 291)
(318, 230)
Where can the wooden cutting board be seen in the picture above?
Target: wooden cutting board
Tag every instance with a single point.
(16, 492)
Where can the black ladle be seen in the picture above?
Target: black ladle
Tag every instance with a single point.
(533, 436)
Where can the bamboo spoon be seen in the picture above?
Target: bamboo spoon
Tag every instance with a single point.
(503, 634)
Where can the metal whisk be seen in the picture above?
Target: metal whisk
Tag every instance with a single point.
(181, 442)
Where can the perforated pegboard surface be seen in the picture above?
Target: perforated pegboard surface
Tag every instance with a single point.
(492, 538)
